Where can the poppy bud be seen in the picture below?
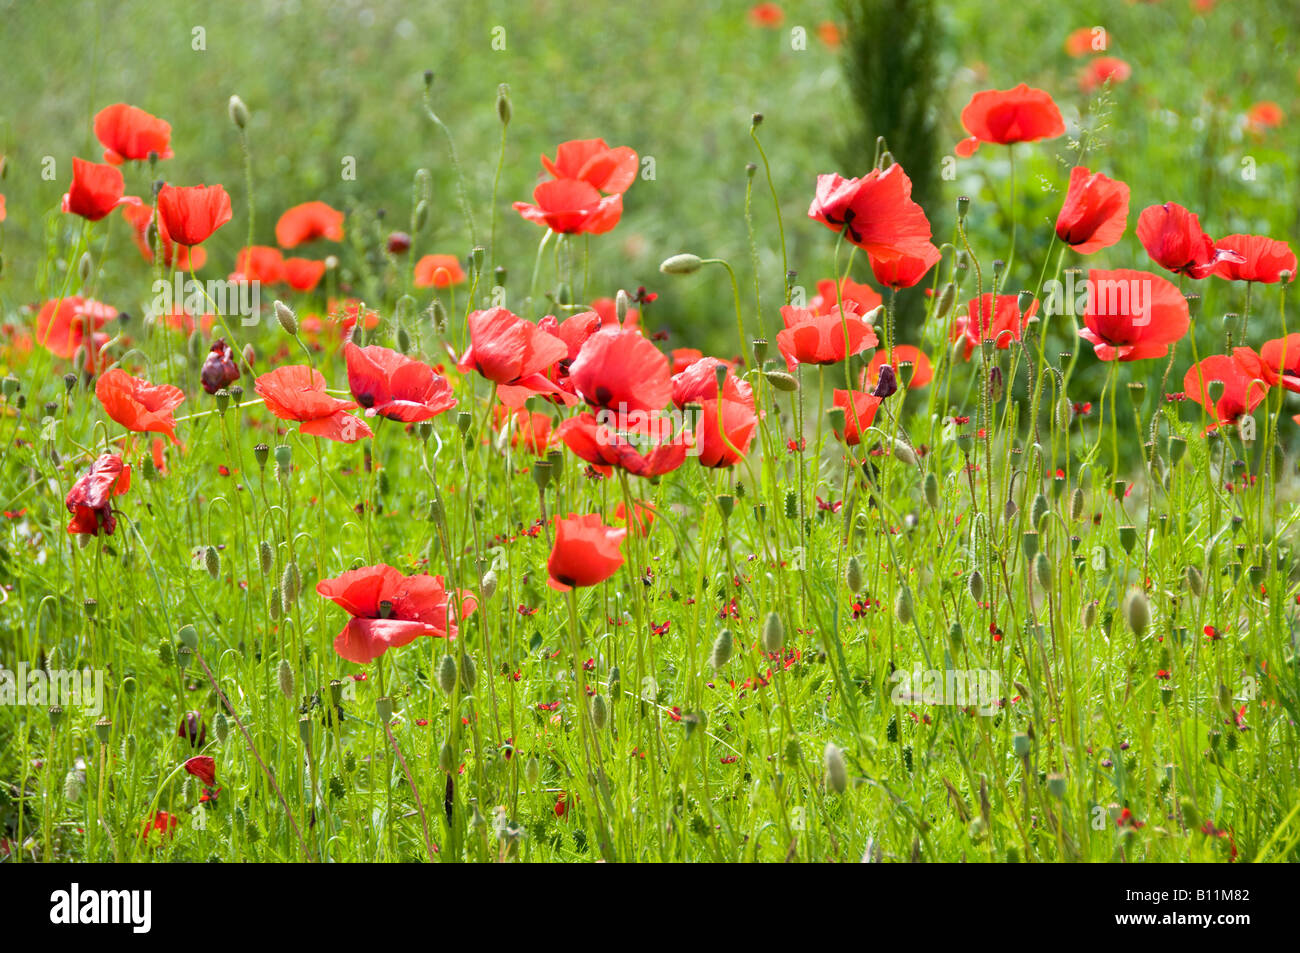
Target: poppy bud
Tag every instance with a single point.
(955, 638)
(286, 678)
(887, 383)
(468, 672)
(288, 320)
(995, 384)
(104, 729)
(1195, 582)
(504, 111)
(722, 647)
(488, 585)
(837, 774)
(683, 264)
(447, 758)
(290, 585)
(212, 562)
(249, 355)
(599, 711)
(947, 297)
(1076, 504)
(975, 584)
(1043, 571)
(447, 674)
(399, 243)
(1038, 512)
(221, 726)
(905, 454)
(782, 381)
(931, 487)
(621, 304)
(238, 112)
(773, 633)
(85, 267)
(1089, 614)
(903, 606)
(1138, 613)
(192, 729)
(835, 416)
(403, 340)
(853, 576)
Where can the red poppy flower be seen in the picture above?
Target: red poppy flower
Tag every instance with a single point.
(1104, 69)
(297, 392)
(859, 412)
(1245, 384)
(572, 206)
(395, 386)
(260, 263)
(830, 34)
(604, 446)
(825, 301)
(895, 268)
(620, 370)
(586, 552)
(303, 274)
(766, 15)
(66, 324)
(512, 353)
(1080, 42)
(438, 271)
(682, 358)
(607, 309)
(1264, 116)
(130, 133)
(140, 216)
(608, 170)
(1006, 116)
(1281, 358)
(390, 610)
(89, 499)
(903, 354)
(192, 213)
(1173, 238)
(699, 382)
(810, 338)
(219, 368)
(986, 320)
(308, 222)
(643, 518)
(203, 767)
(1095, 212)
(138, 405)
(725, 431)
(162, 823)
(531, 429)
(95, 190)
(1132, 315)
(1264, 259)
(2, 208)
(875, 212)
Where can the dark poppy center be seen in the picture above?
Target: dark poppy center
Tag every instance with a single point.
(366, 400)
(603, 395)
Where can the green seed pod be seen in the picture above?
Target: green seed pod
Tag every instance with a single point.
(56, 717)
(212, 562)
(447, 674)
(955, 638)
(1056, 785)
(975, 584)
(166, 655)
(722, 647)
(837, 774)
(1128, 537)
(773, 633)
(932, 490)
(903, 606)
(759, 346)
(532, 770)
(1029, 544)
(184, 655)
(1020, 744)
(468, 672)
(1043, 571)
(853, 575)
(791, 504)
(447, 758)
(188, 636)
(104, 729)
(286, 678)
(304, 729)
(1177, 447)
(599, 711)
(1138, 613)
(384, 709)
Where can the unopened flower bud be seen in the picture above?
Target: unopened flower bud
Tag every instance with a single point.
(837, 774)
(683, 264)
(238, 112)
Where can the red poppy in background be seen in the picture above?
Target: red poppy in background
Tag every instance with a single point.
(140, 216)
(89, 499)
(95, 190)
(395, 386)
(607, 309)
(531, 429)
(573, 207)
(1263, 259)
(826, 300)
(875, 212)
(1264, 116)
(138, 405)
(586, 552)
(297, 392)
(390, 610)
(512, 353)
(643, 518)
(2, 208)
(438, 271)
(859, 412)
(1132, 315)
(607, 170)
(1281, 358)
(999, 321)
(1173, 238)
(308, 222)
(219, 368)
(1080, 42)
(1102, 70)
(573, 331)
(260, 263)
(162, 823)
(830, 34)
(767, 15)
(64, 325)
(192, 213)
(896, 268)
(603, 446)
(810, 338)
(682, 358)
(903, 354)
(725, 431)
(1006, 116)
(203, 767)
(126, 132)
(699, 382)
(619, 369)
(1245, 384)
(1095, 212)
(303, 274)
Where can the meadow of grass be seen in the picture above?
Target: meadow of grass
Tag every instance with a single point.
(1040, 606)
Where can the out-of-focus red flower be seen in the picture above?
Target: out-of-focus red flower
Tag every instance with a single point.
(138, 405)
(1264, 116)
(303, 274)
(512, 353)
(585, 552)
(1080, 42)
(573, 207)
(1245, 384)
(1007, 116)
(1132, 315)
(140, 216)
(607, 170)
(1095, 212)
(399, 243)
(921, 371)
(438, 271)
(126, 132)
(528, 427)
(768, 15)
(63, 325)
(725, 431)
(219, 368)
(297, 392)
(192, 213)
(1263, 259)
(308, 222)
(607, 309)
(1281, 358)
(859, 412)
(1000, 321)
(390, 610)
(261, 263)
(1174, 239)
(395, 386)
(95, 190)
(875, 212)
(89, 499)
(162, 824)
(810, 338)
(1102, 70)
(825, 301)
(620, 370)
(830, 34)
(643, 517)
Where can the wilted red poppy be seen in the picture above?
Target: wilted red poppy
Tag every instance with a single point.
(1095, 212)
(1006, 116)
(1104, 69)
(825, 301)
(297, 392)
(95, 190)
(395, 386)
(725, 430)
(1132, 315)
(921, 372)
(902, 268)
(1281, 358)
(607, 170)
(219, 368)
(438, 271)
(63, 325)
(699, 382)
(192, 213)
(162, 824)
(303, 274)
(140, 216)
(572, 206)
(308, 222)
(1245, 384)
(875, 212)
(130, 133)
(138, 405)
(1173, 238)
(89, 499)
(390, 610)
(999, 321)
(586, 552)
(620, 370)
(512, 353)
(656, 453)
(1264, 259)
(810, 338)
(859, 412)
(203, 767)
(260, 263)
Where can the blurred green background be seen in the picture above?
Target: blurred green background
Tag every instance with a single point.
(677, 81)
